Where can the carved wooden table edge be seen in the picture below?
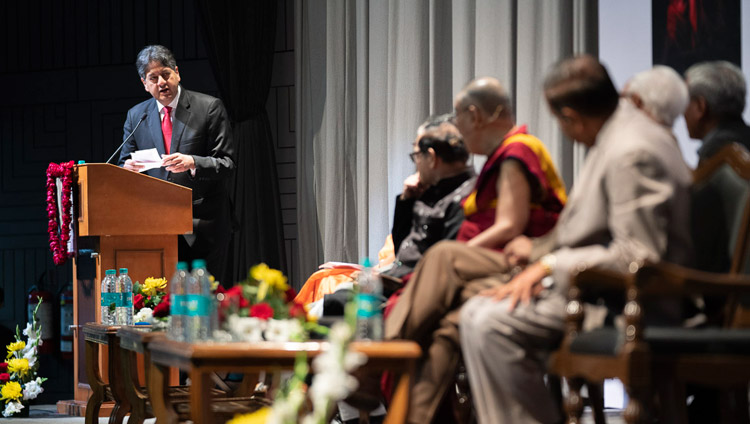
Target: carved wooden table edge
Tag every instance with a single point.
(200, 358)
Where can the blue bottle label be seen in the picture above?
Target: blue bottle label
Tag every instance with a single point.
(196, 305)
(110, 300)
(368, 305)
(126, 299)
(176, 304)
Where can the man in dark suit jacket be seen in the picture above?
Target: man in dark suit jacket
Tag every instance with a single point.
(192, 133)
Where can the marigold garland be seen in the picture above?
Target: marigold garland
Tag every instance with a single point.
(59, 236)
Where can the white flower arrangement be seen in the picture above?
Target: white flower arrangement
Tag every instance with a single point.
(19, 382)
(332, 382)
(144, 315)
(251, 329)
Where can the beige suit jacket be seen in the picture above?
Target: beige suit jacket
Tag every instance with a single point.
(630, 202)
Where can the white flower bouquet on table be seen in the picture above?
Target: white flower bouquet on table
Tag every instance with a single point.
(19, 383)
(332, 382)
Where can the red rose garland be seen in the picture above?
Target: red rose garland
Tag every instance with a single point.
(59, 236)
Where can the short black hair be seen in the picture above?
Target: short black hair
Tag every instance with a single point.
(581, 83)
(154, 53)
(443, 137)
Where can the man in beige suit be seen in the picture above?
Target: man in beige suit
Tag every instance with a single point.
(630, 204)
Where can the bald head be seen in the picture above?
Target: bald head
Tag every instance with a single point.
(487, 94)
(581, 83)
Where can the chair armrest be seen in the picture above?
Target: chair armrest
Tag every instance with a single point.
(667, 279)
(598, 279)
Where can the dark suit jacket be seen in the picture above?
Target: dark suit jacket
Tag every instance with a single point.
(201, 128)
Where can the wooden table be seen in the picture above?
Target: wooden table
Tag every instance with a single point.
(134, 340)
(97, 335)
(201, 359)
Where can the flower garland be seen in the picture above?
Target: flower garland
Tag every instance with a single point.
(59, 236)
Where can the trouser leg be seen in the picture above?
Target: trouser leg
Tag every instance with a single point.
(436, 286)
(505, 357)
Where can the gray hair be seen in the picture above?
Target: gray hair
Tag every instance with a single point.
(155, 53)
(662, 91)
(721, 84)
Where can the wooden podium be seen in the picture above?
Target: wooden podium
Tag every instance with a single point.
(123, 220)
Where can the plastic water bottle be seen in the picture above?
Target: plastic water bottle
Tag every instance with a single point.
(369, 301)
(125, 306)
(198, 304)
(177, 290)
(109, 297)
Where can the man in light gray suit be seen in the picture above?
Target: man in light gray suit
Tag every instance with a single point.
(630, 204)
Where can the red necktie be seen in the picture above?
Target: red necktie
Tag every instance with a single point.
(166, 128)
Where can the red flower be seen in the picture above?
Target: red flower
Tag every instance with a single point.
(220, 289)
(162, 309)
(138, 302)
(234, 297)
(289, 295)
(3, 366)
(261, 310)
(297, 310)
(4, 377)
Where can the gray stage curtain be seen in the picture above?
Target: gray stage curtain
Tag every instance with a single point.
(239, 38)
(368, 72)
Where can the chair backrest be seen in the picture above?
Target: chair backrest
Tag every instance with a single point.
(721, 213)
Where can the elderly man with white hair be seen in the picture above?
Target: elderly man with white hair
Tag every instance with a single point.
(717, 100)
(659, 92)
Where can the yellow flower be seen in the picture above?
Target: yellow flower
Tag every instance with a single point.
(262, 290)
(19, 366)
(214, 283)
(273, 277)
(258, 417)
(11, 391)
(153, 285)
(15, 347)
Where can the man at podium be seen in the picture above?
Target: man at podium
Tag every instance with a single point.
(192, 135)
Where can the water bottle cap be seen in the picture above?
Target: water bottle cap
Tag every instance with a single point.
(110, 272)
(81, 162)
(182, 265)
(365, 262)
(123, 270)
(199, 263)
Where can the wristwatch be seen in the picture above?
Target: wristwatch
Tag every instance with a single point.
(548, 262)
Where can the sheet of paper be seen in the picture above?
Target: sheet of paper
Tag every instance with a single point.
(149, 158)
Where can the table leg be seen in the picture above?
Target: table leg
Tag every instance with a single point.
(132, 387)
(158, 389)
(399, 406)
(116, 382)
(200, 396)
(95, 381)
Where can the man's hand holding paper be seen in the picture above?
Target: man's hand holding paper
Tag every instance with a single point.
(143, 160)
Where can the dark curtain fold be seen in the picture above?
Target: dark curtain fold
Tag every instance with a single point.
(239, 37)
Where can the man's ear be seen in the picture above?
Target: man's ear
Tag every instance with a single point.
(701, 106)
(144, 84)
(637, 101)
(432, 157)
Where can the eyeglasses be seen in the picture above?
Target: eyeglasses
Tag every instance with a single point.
(413, 155)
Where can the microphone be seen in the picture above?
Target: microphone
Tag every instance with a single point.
(128, 137)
